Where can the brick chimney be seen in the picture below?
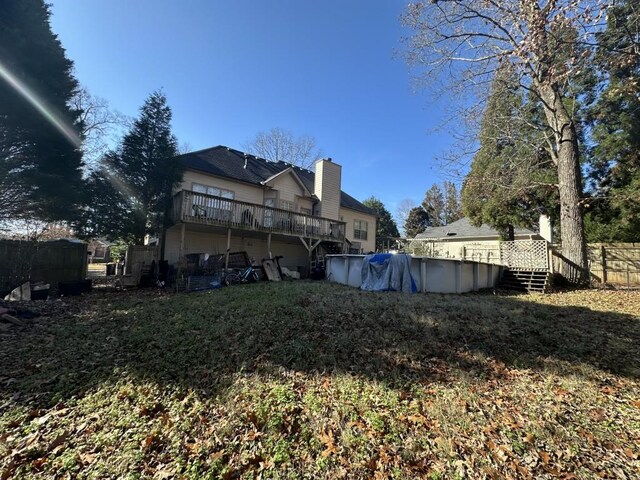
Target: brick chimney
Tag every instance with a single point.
(327, 187)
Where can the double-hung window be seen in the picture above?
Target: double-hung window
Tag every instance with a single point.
(360, 228)
(287, 205)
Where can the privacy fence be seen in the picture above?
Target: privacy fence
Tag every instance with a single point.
(49, 262)
(611, 263)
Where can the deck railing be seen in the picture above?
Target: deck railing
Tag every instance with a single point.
(203, 209)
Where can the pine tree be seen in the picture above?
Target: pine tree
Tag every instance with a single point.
(417, 222)
(452, 208)
(385, 226)
(512, 180)
(434, 205)
(442, 204)
(615, 117)
(132, 191)
(40, 159)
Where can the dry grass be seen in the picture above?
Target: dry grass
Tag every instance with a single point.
(314, 380)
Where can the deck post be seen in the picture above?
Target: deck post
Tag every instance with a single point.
(181, 252)
(269, 245)
(226, 258)
(308, 247)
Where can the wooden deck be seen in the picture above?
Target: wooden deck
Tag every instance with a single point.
(201, 209)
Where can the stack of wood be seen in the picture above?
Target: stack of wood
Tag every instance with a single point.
(8, 320)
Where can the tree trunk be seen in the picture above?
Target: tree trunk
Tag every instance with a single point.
(574, 244)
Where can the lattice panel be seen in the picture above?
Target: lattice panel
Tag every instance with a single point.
(525, 254)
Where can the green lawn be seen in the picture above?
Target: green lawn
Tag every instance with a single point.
(314, 380)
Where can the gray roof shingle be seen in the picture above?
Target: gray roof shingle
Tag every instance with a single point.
(463, 228)
(230, 163)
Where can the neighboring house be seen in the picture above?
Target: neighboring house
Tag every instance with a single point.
(460, 239)
(99, 251)
(232, 200)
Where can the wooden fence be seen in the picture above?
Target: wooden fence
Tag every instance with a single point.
(612, 263)
(49, 262)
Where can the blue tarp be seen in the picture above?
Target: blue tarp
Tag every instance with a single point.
(386, 272)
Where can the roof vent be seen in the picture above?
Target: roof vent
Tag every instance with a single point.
(246, 159)
(451, 234)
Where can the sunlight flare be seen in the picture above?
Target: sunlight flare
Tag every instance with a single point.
(41, 105)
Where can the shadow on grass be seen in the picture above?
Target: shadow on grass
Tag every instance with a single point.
(200, 341)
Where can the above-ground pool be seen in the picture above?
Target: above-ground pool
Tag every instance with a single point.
(438, 275)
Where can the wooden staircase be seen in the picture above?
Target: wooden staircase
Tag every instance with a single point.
(525, 280)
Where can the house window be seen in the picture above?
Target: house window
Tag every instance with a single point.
(212, 207)
(215, 191)
(360, 228)
(286, 205)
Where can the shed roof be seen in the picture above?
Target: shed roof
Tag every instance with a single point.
(462, 229)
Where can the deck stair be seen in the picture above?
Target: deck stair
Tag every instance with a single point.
(525, 280)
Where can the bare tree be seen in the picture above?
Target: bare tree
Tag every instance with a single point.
(547, 43)
(279, 145)
(402, 212)
(100, 125)
(184, 147)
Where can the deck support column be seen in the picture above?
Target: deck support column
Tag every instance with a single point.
(310, 248)
(180, 254)
(181, 251)
(226, 257)
(269, 245)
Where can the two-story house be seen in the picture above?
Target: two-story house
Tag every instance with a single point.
(232, 201)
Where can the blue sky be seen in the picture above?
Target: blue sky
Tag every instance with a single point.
(232, 68)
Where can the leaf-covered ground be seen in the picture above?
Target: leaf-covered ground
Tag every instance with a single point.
(314, 380)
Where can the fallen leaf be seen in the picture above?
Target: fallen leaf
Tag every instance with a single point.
(598, 414)
(193, 446)
(38, 463)
(328, 440)
(147, 443)
(58, 443)
(164, 473)
(216, 455)
(87, 458)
